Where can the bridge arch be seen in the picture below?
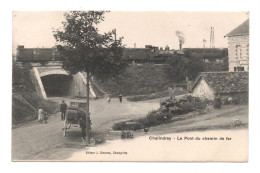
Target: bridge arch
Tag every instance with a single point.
(57, 84)
(55, 81)
(45, 71)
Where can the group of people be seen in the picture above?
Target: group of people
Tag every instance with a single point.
(120, 98)
(83, 119)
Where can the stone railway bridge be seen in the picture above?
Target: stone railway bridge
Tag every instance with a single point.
(51, 80)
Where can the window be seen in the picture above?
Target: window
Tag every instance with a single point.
(235, 68)
(240, 69)
(238, 51)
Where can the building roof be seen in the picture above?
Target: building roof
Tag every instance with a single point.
(224, 82)
(242, 29)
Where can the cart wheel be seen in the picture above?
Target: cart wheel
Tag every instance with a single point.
(65, 127)
(64, 132)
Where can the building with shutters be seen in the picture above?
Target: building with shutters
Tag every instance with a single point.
(238, 48)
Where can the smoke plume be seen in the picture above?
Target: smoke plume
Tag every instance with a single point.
(180, 35)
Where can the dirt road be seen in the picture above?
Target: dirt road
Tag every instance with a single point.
(35, 141)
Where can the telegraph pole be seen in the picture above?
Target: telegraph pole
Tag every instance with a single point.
(114, 32)
(212, 44)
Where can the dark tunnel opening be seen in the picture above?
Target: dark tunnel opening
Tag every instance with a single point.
(57, 85)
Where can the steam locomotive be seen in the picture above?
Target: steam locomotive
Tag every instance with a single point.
(138, 55)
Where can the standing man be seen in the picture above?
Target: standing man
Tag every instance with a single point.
(85, 124)
(63, 108)
(120, 98)
(82, 122)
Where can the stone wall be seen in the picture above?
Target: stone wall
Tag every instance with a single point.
(35, 82)
(241, 97)
(77, 87)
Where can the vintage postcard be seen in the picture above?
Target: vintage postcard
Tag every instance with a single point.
(130, 86)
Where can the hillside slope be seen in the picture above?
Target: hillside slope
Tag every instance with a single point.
(25, 100)
(137, 80)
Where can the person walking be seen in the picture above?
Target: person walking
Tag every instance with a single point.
(120, 98)
(63, 108)
(45, 117)
(108, 99)
(82, 123)
(40, 114)
(85, 124)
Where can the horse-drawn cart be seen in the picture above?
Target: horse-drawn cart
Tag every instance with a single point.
(72, 117)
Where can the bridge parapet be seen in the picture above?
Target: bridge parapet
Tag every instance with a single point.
(40, 64)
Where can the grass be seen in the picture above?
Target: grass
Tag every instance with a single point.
(212, 120)
(170, 110)
(215, 119)
(22, 112)
(137, 80)
(25, 100)
(155, 95)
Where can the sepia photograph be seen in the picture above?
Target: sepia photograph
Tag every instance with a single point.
(136, 86)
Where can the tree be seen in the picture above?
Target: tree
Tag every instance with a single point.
(22, 78)
(194, 66)
(175, 68)
(84, 49)
(179, 66)
(225, 63)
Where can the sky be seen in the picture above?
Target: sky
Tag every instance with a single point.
(157, 28)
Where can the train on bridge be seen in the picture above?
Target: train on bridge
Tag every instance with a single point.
(36, 54)
(139, 55)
